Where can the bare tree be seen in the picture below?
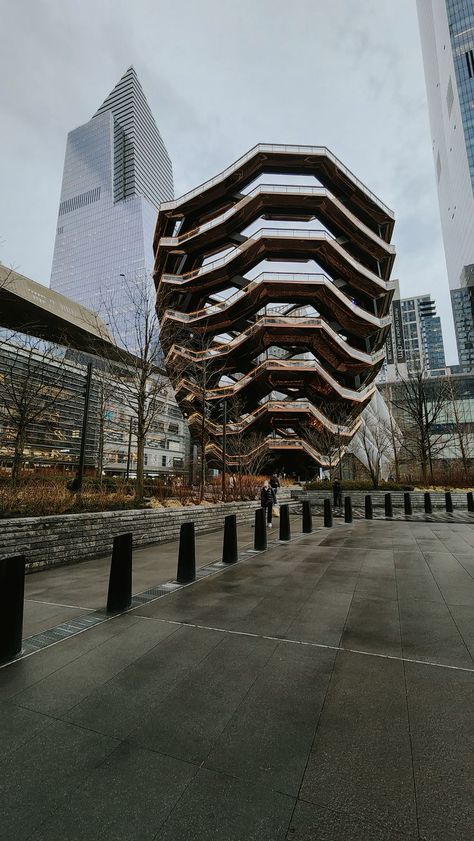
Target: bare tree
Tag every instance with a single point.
(457, 415)
(324, 442)
(376, 442)
(33, 387)
(421, 402)
(107, 389)
(396, 437)
(140, 373)
(197, 372)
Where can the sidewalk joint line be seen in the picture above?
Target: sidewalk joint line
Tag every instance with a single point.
(309, 643)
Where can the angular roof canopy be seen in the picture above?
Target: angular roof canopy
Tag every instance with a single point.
(29, 307)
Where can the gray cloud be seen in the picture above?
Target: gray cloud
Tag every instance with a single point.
(221, 76)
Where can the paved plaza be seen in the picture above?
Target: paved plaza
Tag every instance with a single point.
(319, 691)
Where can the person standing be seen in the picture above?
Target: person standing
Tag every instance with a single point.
(267, 501)
(337, 494)
(275, 484)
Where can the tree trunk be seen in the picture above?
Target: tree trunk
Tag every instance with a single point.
(140, 480)
(17, 462)
(202, 475)
(100, 449)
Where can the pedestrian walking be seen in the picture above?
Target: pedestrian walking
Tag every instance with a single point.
(267, 501)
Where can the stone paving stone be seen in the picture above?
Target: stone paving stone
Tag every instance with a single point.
(361, 758)
(192, 716)
(429, 633)
(414, 579)
(337, 581)
(39, 616)
(440, 703)
(63, 689)
(379, 583)
(216, 806)
(24, 673)
(18, 726)
(195, 691)
(313, 823)
(43, 775)
(454, 582)
(321, 619)
(120, 705)
(464, 618)
(270, 735)
(373, 624)
(128, 797)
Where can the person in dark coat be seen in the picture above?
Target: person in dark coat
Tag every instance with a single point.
(274, 484)
(337, 494)
(75, 485)
(267, 501)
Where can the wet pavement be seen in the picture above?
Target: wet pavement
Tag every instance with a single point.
(320, 690)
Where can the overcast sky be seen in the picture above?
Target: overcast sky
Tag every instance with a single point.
(220, 76)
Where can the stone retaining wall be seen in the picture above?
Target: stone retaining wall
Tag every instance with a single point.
(378, 499)
(68, 538)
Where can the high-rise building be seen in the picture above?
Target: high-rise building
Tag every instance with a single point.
(415, 342)
(116, 173)
(447, 38)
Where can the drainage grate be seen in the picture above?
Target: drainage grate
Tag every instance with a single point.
(62, 632)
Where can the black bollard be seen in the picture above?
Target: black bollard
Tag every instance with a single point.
(285, 531)
(187, 554)
(260, 537)
(388, 505)
(119, 596)
(307, 517)
(230, 553)
(12, 594)
(407, 503)
(368, 508)
(327, 513)
(347, 509)
(449, 502)
(470, 501)
(428, 505)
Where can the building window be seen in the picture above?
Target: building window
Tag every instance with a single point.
(163, 461)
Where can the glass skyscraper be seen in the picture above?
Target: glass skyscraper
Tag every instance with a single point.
(447, 38)
(116, 173)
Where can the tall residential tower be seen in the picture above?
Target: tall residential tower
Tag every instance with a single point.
(116, 173)
(447, 37)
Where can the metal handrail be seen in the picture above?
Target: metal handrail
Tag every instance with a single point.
(274, 233)
(293, 189)
(320, 151)
(284, 277)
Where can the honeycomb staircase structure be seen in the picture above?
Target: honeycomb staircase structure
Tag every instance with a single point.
(294, 355)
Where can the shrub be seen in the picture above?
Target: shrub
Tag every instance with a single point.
(356, 485)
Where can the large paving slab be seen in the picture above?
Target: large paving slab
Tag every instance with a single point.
(322, 690)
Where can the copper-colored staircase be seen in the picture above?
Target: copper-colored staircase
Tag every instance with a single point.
(294, 354)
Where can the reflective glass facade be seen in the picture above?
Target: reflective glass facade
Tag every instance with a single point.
(461, 29)
(447, 38)
(116, 173)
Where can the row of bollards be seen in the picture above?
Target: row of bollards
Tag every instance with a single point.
(119, 595)
(388, 506)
